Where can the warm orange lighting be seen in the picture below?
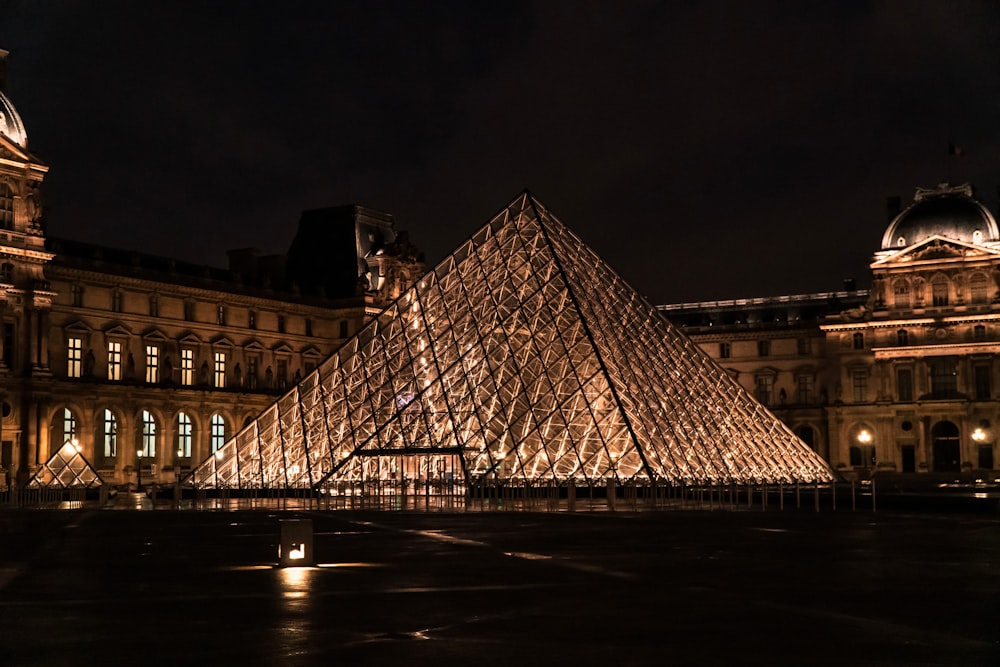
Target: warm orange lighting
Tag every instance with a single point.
(979, 435)
(864, 437)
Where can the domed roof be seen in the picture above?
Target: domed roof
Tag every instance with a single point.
(948, 211)
(10, 123)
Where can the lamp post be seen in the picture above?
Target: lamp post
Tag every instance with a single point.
(138, 472)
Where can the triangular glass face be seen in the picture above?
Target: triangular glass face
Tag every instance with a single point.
(66, 469)
(525, 357)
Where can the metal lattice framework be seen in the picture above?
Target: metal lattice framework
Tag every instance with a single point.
(66, 469)
(525, 357)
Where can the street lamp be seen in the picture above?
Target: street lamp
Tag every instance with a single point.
(979, 435)
(138, 472)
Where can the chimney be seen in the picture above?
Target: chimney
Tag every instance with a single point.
(892, 207)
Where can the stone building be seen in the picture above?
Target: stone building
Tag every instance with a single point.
(147, 361)
(902, 377)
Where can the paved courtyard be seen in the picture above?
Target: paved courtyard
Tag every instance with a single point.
(406, 588)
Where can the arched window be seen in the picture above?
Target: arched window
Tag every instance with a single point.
(68, 426)
(218, 432)
(978, 286)
(110, 433)
(148, 440)
(859, 341)
(184, 434)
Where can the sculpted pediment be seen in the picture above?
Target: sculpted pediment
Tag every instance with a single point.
(936, 248)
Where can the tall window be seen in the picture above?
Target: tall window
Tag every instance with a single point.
(187, 367)
(763, 348)
(252, 319)
(116, 300)
(218, 432)
(281, 323)
(154, 305)
(904, 384)
(944, 377)
(343, 329)
(6, 206)
(978, 286)
(939, 292)
(184, 431)
(859, 382)
(859, 341)
(725, 350)
(764, 389)
(114, 360)
(309, 326)
(152, 364)
(982, 378)
(219, 374)
(901, 294)
(148, 434)
(804, 388)
(979, 332)
(902, 337)
(251, 372)
(189, 311)
(110, 435)
(805, 346)
(7, 272)
(68, 426)
(74, 357)
(77, 292)
(220, 314)
(282, 373)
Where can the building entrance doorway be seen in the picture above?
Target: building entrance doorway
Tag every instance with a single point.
(909, 458)
(400, 479)
(946, 447)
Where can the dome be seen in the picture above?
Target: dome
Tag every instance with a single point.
(10, 123)
(948, 211)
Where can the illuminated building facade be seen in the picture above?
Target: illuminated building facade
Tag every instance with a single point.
(902, 377)
(522, 357)
(139, 360)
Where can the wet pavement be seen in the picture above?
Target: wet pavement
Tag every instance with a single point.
(405, 588)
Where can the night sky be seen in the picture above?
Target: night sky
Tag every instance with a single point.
(707, 150)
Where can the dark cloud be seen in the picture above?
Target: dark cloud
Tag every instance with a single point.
(705, 149)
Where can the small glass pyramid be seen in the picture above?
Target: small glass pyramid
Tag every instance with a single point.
(66, 469)
(521, 356)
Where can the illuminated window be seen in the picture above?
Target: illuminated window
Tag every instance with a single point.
(219, 375)
(904, 384)
(77, 293)
(114, 360)
(148, 434)
(6, 206)
(939, 292)
(220, 314)
(979, 332)
(68, 425)
(184, 436)
(152, 364)
(218, 432)
(763, 348)
(110, 435)
(978, 286)
(859, 341)
(74, 357)
(804, 388)
(187, 367)
(725, 350)
(252, 319)
(859, 382)
(902, 337)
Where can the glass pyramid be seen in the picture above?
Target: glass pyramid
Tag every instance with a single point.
(523, 357)
(66, 469)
